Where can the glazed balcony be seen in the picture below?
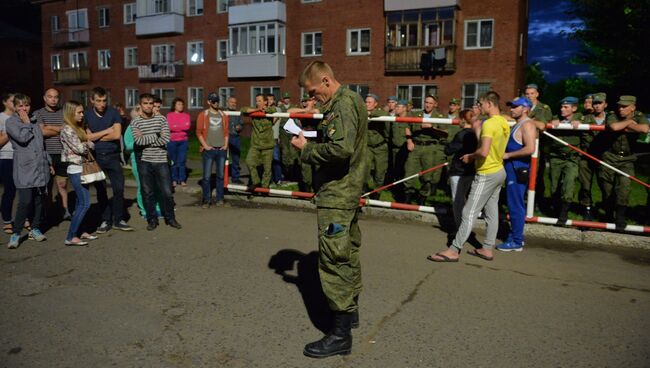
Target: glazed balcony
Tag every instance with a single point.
(407, 60)
(72, 76)
(156, 18)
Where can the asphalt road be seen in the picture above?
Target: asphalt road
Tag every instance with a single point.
(237, 287)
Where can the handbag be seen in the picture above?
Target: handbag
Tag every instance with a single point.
(90, 170)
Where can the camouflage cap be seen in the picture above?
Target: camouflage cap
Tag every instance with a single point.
(627, 100)
(532, 85)
(305, 97)
(589, 96)
(286, 95)
(454, 101)
(409, 102)
(599, 97)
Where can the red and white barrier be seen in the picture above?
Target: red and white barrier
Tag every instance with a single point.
(406, 179)
(589, 224)
(532, 180)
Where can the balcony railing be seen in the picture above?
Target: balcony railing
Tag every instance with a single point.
(252, 11)
(156, 18)
(408, 59)
(161, 72)
(79, 75)
(76, 37)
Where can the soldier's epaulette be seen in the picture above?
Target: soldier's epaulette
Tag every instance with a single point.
(547, 106)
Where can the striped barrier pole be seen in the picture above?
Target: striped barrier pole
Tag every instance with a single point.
(406, 179)
(532, 181)
(589, 224)
(597, 160)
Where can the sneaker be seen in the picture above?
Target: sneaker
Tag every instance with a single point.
(122, 225)
(510, 247)
(104, 228)
(36, 234)
(80, 243)
(152, 225)
(220, 203)
(14, 240)
(205, 205)
(173, 223)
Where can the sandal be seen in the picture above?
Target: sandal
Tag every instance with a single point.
(8, 229)
(27, 226)
(88, 237)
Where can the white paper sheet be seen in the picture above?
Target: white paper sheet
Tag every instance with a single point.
(292, 128)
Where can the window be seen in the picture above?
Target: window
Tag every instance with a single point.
(166, 95)
(55, 61)
(195, 97)
(435, 26)
(194, 7)
(264, 90)
(222, 50)
(264, 38)
(416, 93)
(131, 97)
(161, 6)
(80, 96)
(162, 54)
(195, 53)
(222, 6)
(471, 93)
(104, 20)
(130, 57)
(361, 89)
(479, 34)
(312, 44)
(54, 24)
(129, 13)
(77, 19)
(104, 59)
(225, 93)
(77, 59)
(358, 42)
(310, 1)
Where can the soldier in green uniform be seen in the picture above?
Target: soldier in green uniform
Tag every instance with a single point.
(564, 160)
(542, 113)
(425, 151)
(593, 144)
(454, 108)
(289, 156)
(624, 128)
(341, 169)
(260, 152)
(378, 133)
(588, 104)
(398, 150)
(305, 183)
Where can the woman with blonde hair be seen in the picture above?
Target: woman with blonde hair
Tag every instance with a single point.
(76, 147)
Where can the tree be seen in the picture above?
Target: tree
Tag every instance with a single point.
(615, 36)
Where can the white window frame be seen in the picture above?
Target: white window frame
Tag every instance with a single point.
(105, 20)
(160, 7)
(55, 65)
(225, 3)
(55, 24)
(201, 51)
(265, 90)
(104, 59)
(253, 39)
(421, 97)
(78, 14)
(169, 53)
(348, 43)
(479, 88)
(130, 12)
(479, 23)
(225, 93)
(161, 93)
(303, 43)
(131, 97)
(198, 8)
(361, 89)
(195, 98)
(127, 57)
(73, 59)
(309, 2)
(222, 48)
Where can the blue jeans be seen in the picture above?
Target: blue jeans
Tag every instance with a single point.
(178, 155)
(516, 205)
(276, 166)
(234, 145)
(217, 156)
(82, 205)
(7, 179)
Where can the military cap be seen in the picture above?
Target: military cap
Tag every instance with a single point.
(373, 96)
(600, 97)
(402, 102)
(627, 100)
(569, 100)
(520, 101)
(532, 85)
(392, 98)
(454, 101)
(286, 95)
(589, 96)
(409, 102)
(305, 97)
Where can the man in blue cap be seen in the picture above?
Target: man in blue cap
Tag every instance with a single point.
(564, 161)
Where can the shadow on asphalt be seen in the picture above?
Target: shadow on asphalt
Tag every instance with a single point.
(301, 270)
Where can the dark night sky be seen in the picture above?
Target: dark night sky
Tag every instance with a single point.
(547, 43)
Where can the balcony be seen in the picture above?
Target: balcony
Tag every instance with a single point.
(394, 5)
(70, 38)
(161, 72)
(255, 66)
(159, 18)
(256, 11)
(406, 60)
(71, 76)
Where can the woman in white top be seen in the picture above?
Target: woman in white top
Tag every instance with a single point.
(6, 165)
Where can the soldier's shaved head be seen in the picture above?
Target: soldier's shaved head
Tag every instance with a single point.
(314, 70)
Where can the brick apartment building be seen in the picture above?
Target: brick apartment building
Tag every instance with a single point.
(188, 48)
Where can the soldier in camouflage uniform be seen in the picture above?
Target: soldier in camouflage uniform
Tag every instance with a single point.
(564, 160)
(623, 131)
(289, 156)
(305, 183)
(542, 113)
(260, 152)
(425, 151)
(378, 133)
(398, 150)
(341, 169)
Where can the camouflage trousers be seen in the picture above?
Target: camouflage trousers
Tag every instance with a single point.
(564, 175)
(613, 183)
(339, 267)
(378, 163)
(422, 158)
(255, 158)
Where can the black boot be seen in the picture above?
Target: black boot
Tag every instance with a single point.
(620, 218)
(408, 198)
(588, 216)
(421, 200)
(564, 214)
(337, 342)
(355, 319)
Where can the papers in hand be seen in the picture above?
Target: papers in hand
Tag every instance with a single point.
(291, 128)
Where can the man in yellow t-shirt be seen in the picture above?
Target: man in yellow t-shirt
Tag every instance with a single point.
(487, 183)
